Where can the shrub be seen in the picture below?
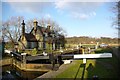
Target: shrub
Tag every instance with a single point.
(103, 50)
(34, 52)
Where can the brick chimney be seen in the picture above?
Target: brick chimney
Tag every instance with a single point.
(35, 25)
(23, 28)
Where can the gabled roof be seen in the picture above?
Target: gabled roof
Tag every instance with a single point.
(30, 37)
(43, 30)
(39, 28)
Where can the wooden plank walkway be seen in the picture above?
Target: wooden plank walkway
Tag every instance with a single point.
(30, 58)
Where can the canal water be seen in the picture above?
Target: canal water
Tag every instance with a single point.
(10, 72)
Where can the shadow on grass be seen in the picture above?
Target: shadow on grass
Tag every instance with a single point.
(100, 69)
(81, 66)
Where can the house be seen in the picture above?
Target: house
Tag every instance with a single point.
(103, 45)
(41, 38)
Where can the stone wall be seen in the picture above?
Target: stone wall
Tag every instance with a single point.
(39, 67)
(26, 67)
(5, 62)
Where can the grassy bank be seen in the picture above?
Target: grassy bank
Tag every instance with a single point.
(103, 68)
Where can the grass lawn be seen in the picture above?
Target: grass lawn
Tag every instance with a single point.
(103, 68)
(71, 71)
(76, 70)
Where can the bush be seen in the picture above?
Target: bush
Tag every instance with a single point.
(103, 50)
(34, 52)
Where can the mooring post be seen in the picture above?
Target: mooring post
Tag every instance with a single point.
(59, 60)
(52, 60)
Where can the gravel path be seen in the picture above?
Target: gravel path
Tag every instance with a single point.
(116, 52)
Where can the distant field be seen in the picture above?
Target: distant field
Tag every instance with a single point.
(84, 45)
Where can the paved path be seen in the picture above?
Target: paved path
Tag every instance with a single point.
(53, 74)
(105, 64)
(116, 52)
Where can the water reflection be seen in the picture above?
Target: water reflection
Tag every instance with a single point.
(10, 72)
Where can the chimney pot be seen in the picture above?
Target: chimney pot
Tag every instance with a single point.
(23, 28)
(23, 23)
(35, 24)
(48, 26)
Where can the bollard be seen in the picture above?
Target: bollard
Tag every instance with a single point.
(52, 60)
(60, 60)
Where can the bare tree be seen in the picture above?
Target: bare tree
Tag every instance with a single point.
(29, 25)
(55, 26)
(116, 18)
(11, 29)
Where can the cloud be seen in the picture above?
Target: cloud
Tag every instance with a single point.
(61, 0)
(82, 15)
(79, 15)
(28, 0)
(47, 16)
(29, 7)
(81, 10)
(1, 12)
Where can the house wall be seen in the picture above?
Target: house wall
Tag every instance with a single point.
(29, 45)
(48, 46)
(33, 45)
(53, 46)
(38, 35)
(58, 46)
(22, 43)
(40, 45)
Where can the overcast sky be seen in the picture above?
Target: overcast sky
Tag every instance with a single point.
(76, 18)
